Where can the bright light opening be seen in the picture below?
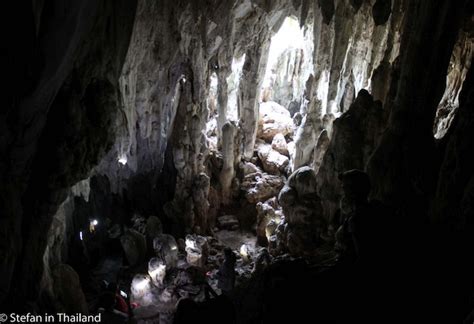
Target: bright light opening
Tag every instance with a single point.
(80, 236)
(233, 81)
(290, 62)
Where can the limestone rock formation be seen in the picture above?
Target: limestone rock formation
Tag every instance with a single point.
(279, 144)
(201, 203)
(197, 250)
(273, 162)
(265, 214)
(136, 98)
(401, 169)
(453, 202)
(166, 249)
(68, 290)
(306, 136)
(355, 136)
(230, 150)
(249, 168)
(461, 60)
(134, 246)
(261, 186)
(320, 149)
(303, 212)
(274, 119)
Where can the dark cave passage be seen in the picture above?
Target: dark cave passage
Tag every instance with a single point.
(239, 161)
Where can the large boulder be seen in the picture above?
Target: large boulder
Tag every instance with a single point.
(272, 161)
(261, 186)
(279, 144)
(166, 249)
(67, 289)
(134, 245)
(249, 168)
(274, 119)
(197, 250)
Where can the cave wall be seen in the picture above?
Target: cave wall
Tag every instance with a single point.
(165, 86)
(404, 166)
(58, 123)
(351, 41)
(459, 65)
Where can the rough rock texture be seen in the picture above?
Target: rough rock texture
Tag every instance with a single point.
(67, 288)
(453, 202)
(123, 89)
(249, 90)
(201, 203)
(60, 235)
(356, 134)
(274, 119)
(461, 60)
(351, 40)
(197, 250)
(134, 246)
(249, 168)
(268, 217)
(231, 157)
(303, 212)
(261, 186)
(306, 136)
(165, 85)
(279, 144)
(166, 249)
(273, 162)
(401, 168)
(58, 119)
(322, 145)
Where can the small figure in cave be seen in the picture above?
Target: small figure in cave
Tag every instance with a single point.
(355, 238)
(120, 303)
(226, 274)
(109, 308)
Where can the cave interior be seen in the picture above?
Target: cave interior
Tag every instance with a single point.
(238, 161)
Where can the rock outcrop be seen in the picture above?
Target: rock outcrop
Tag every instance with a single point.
(356, 135)
(303, 213)
(274, 119)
